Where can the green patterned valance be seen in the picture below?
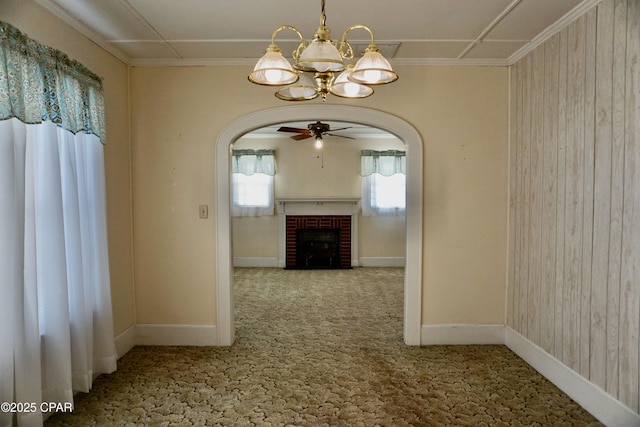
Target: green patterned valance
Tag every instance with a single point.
(249, 162)
(385, 163)
(39, 83)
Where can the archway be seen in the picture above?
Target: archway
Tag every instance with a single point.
(413, 255)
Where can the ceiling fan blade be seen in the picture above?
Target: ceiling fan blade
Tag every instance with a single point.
(348, 127)
(302, 136)
(339, 136)
(294, 130)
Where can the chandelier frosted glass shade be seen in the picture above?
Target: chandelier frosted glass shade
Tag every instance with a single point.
(373, 69)
(273, 69)
(302, 90)
(346, 88)
(320, 56)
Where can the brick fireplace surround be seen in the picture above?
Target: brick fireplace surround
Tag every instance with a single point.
(327, 214)
(318, 222)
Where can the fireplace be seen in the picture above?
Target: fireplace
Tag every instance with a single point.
(318, 241)
(318, 233)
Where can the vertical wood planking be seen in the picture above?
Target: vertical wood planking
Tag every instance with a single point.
(601, 193)
(574, 253)
(617, 187)
(587, 211)
(574, 193)
(526, 173)
(513, 155)
(560, 212)
(535, 192)
(549, 194)
(630, 272)
(519, 202)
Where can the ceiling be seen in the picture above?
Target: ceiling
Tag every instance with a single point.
(214, 32)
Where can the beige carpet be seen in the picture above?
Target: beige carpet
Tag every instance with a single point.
(323, 348)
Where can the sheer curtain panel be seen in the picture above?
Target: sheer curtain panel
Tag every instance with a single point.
(252, 182)
(55, 308)
(383, 182)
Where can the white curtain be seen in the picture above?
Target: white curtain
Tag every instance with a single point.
(252, 182)
(56, 304)
(383, 182)
(56, 326)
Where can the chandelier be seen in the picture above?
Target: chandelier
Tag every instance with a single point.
(317, 64)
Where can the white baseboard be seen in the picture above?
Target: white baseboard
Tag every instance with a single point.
(594, 399)
(462, 334)
(381, 262)
(362, 262)
(255, 261)
(125, 341)
(196, 335)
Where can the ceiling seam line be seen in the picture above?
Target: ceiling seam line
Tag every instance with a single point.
(490, 27)
(133, 11)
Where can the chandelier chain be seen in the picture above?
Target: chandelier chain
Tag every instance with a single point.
(323, 15)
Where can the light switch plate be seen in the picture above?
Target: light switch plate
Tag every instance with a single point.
(204, 211)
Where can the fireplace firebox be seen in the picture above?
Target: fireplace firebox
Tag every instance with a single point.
(317, 248)
(318, 241)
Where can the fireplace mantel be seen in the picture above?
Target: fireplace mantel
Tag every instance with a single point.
(317, 206)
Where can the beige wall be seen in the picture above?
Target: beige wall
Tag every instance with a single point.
(42, 26)
(575, 197)
(176, 114)
(305, 171)
(461, 113)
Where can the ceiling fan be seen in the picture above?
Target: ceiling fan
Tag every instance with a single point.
(316, 130)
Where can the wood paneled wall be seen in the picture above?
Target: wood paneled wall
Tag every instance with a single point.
(574, 220)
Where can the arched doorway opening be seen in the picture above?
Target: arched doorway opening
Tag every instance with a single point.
(413, 259)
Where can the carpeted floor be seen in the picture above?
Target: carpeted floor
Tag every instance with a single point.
(322, 348)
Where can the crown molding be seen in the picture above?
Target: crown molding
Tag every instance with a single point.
(553, 29)
(470, 62)
(192, 62)
(212, 62)
(68, 18)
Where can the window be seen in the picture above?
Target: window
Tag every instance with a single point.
(252, 194)
(253, 174)
(383, 182)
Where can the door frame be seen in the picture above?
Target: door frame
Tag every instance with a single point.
(414, 206)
